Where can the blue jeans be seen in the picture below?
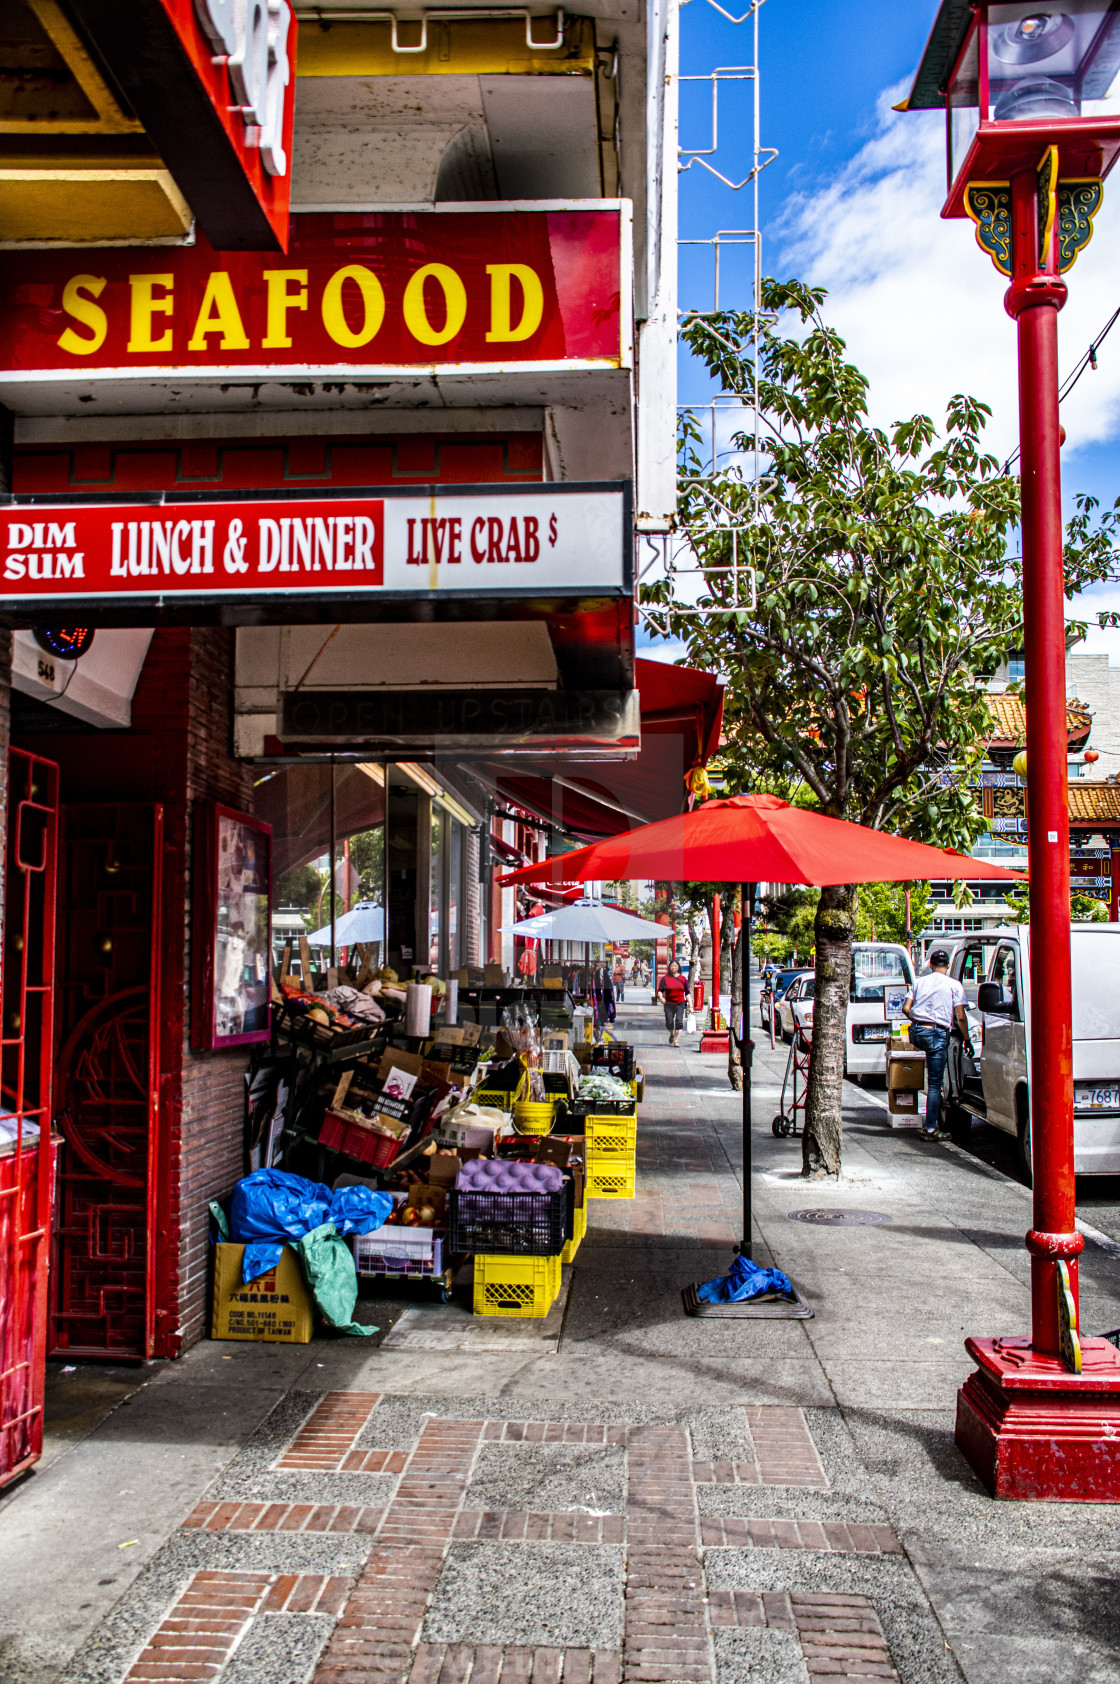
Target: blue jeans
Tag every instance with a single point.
(934, 1043)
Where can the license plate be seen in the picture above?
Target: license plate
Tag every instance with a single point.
(1089, 1098)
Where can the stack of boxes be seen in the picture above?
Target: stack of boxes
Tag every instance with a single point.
(906, 1077)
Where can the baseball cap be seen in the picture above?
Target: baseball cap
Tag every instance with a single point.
(939, 956)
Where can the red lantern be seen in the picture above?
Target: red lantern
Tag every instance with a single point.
(1090, 757)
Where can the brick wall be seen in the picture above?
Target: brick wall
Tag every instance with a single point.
(213, 1094)
(184, 701)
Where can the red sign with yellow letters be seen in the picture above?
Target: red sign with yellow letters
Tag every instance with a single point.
(377, 290)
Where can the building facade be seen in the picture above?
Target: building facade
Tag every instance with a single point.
(337, 360)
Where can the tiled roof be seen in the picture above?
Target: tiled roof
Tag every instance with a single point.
(1094, 803)
(1009, 719)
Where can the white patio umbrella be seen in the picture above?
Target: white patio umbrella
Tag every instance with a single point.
(588, 920)
(364, 922)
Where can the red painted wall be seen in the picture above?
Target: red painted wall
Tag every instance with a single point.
(277, 464)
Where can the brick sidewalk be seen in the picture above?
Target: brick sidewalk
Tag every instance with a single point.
(435, 1589)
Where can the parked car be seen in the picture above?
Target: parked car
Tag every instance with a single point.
(995, 1086)
(882, 976)
(782, 981)
(795, 1008)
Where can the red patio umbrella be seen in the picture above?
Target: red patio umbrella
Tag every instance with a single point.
(751, 839)
(758, 839)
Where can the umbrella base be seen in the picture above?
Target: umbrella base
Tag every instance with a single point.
(768, 1307)
(1034, 1431)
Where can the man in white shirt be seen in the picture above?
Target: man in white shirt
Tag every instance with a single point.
(931, 1006)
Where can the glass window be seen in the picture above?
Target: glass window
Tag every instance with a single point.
(1005, 971)
(454, 892)
(964, 104)
(872, 967)
(321, 813)
(439, 821)
(1052, 61)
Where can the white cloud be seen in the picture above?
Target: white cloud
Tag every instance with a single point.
(921, 306)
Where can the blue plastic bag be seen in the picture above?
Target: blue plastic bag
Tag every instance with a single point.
(744, 1280)
(271, 1208)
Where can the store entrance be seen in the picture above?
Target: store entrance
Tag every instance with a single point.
(107, 1079)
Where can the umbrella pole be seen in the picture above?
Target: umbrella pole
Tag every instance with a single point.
(746, 1051)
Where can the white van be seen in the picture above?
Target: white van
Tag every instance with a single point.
(998, 1089)
(882, 976)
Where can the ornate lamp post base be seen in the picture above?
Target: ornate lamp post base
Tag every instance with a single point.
(1032, 1430)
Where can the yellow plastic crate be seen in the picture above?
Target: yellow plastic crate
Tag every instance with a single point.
(515, 1286)
(615, 1181)
(610, 1136)
(579, 1229)
(502, 1098)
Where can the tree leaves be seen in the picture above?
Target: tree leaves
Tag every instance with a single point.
(887, 584)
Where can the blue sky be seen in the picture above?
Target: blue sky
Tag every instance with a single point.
(852, 203)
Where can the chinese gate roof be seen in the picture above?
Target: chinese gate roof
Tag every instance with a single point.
(1009, 722)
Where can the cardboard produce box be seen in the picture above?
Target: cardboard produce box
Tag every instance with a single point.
(906, 1070)
(903, 1102)
(276, 1307)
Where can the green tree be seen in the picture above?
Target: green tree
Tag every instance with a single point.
(885, 595)
(881, 915)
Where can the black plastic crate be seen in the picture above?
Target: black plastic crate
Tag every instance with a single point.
(617, 1058)
(580, 1108)
(556, 1081)
(502, 1078)
(511, 1224)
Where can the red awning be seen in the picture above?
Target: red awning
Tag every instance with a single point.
(682, 714)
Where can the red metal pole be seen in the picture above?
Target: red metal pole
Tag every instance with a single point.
(1034, 299)
(716, 935)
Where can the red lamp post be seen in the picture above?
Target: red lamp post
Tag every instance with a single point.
(1033, 126)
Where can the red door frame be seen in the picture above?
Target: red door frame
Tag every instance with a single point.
(26, 1176)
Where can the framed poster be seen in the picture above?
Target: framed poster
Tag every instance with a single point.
(232, 927)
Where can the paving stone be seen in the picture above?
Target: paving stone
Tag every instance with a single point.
(548, 1594)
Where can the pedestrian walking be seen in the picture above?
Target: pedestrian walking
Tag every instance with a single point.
(931, 1006)
(673, 992)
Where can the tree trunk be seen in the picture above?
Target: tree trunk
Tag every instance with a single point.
(739, 991)
(833, 931)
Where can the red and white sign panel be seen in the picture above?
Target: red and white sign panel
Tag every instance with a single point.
(487, 541)
(371, 291)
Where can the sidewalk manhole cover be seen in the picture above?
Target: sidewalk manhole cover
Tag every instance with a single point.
(841, 1218)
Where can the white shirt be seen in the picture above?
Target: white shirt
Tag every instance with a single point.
(933, 998)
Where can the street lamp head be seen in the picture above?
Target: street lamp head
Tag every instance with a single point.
(1017, 76)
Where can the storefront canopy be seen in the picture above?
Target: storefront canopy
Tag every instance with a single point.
(682, 713)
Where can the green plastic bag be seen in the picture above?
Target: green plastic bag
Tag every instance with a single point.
(328, 1264)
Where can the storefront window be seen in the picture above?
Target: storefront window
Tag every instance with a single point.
(454, 890)
(439, 823)
(324, 815)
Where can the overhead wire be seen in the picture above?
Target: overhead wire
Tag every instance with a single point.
(1089, 360)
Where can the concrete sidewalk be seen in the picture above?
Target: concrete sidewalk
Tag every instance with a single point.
(618, 1493)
